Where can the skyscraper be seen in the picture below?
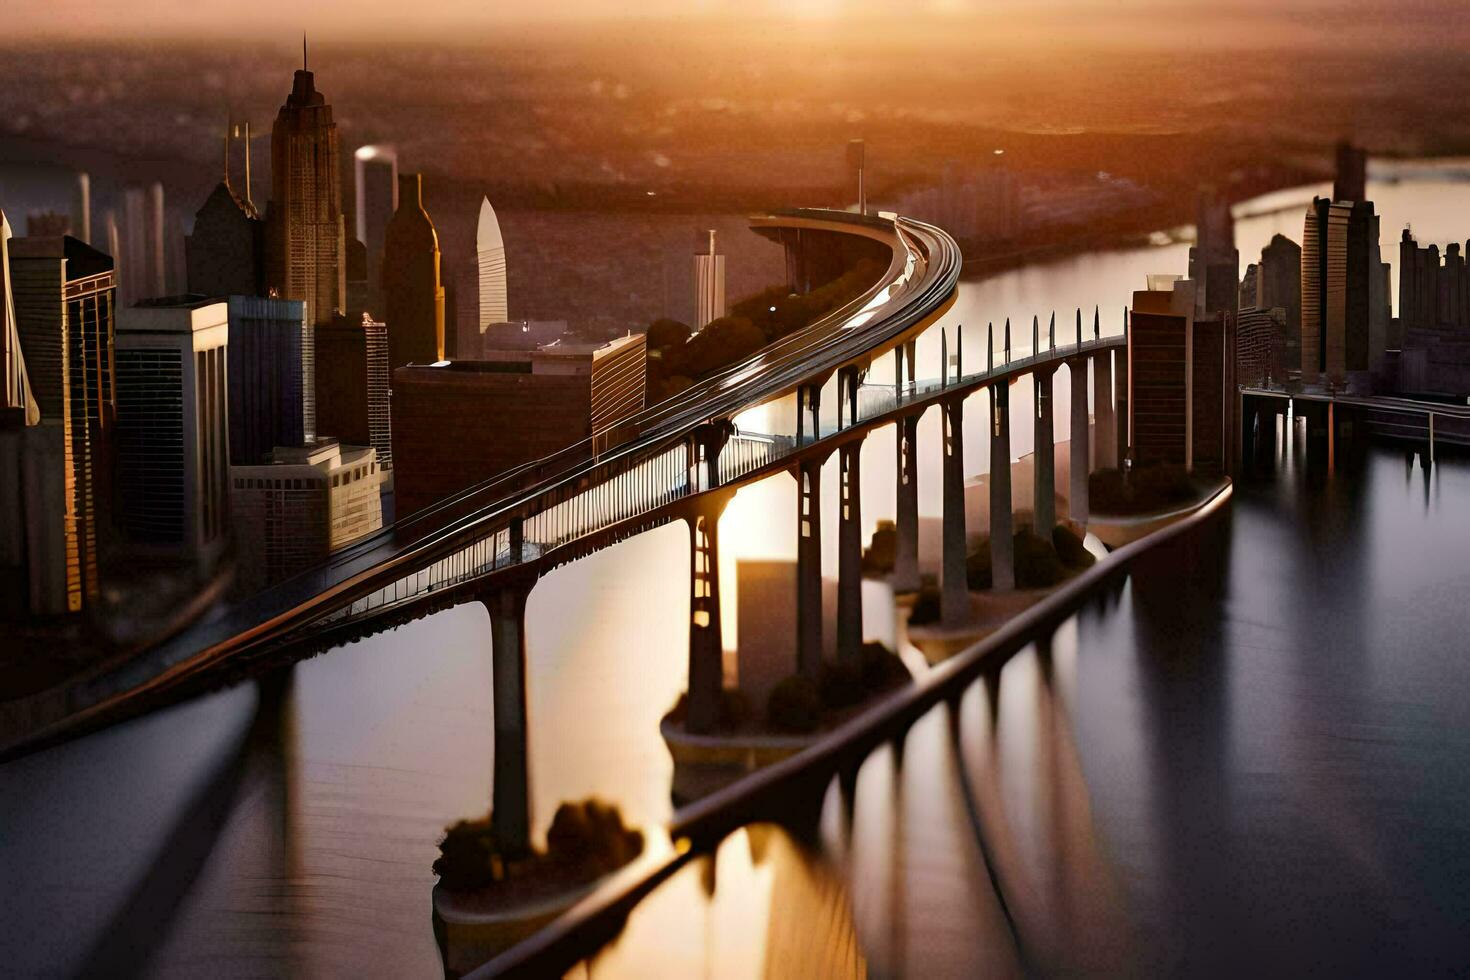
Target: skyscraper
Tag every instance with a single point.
(224, 256)
(1351, 180)
(272, 377)
(490, 252)
(412, 291)
(1324, 291)
(305, 235)
(352, 384)
(172, 430)
(709, 285)
(81, 215)
(157, 280)
(376, 170)
(1279, 283)
(1214, 262)
(63, 300)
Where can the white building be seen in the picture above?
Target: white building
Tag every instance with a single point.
(173, 448)
(709, 285)
(490, 252)
(302, 504)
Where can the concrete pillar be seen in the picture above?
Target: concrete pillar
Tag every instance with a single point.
(1102, 410)
(1248, 414)
(1044, 497)
(849, 554)
(906, 560)
(954, 600)
(1081, 448)
(511, 806)
(706, 645)
(1002, 547)
(809, 567)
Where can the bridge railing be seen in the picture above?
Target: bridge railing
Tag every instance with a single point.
(589, 506)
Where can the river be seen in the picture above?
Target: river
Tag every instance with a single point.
(1263, 753)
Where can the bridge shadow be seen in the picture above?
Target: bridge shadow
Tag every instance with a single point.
(127, 943)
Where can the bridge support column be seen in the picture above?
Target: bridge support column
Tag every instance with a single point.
(808, 411)
(511, 805)
(1106, 454)
(1002, 547)
(706, 643)
(954, 597)
(1044, 484)
(906, 557)
(809, 568)
(1081, 448)
(850, 554)
(1248, 420)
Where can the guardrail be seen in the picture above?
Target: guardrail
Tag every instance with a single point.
(781, 792)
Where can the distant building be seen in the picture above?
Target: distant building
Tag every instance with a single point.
(1214, 262)
(300, 504)
(376, 170)
(225, 254)
(132, 261)
(272, 377)
(1351, 181)
(81, 208)
(352, 378)
(1260, 343)
(490, 258)
(709, 285)
(1324, 291)
(518, 335)
(172, 430)
(1279, 284)
(412, 291)
(460, 422)
(156, 277)
(305, 254)
(1180, 379)
(976, 204)
(1432, 331)
(63, 295)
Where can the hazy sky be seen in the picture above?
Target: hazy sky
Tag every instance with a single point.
(345, 18)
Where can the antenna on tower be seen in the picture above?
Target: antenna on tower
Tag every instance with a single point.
(227, 152)
(248, 199)
(303, 51)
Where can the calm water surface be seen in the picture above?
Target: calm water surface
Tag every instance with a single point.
(1277, 734)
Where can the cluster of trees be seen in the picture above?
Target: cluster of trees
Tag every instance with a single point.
(678, 357)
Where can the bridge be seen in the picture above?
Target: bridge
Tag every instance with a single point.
(680, 460)
(1327, 413)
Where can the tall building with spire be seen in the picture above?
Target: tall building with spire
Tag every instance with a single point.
(412, 290)
(490, 251)
(305, 255)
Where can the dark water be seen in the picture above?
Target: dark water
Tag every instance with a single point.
(1255, 760)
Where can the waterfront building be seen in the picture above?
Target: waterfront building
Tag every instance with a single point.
(1432, 330)
(301, 503)
(1181, 372)
(173, 431)
(305, 253)
(412, 291)
(490, 259)
(376, 172)
(272, 377)
(63, 295)
(540, 400)
(709, 285)
(352, 378)
(1260, 344)
(225, 254)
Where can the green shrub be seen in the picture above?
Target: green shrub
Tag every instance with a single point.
(1037, 564)
(794, 706)
(466, 854)
(882, 551)
(591, 836)
(1070, 549)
